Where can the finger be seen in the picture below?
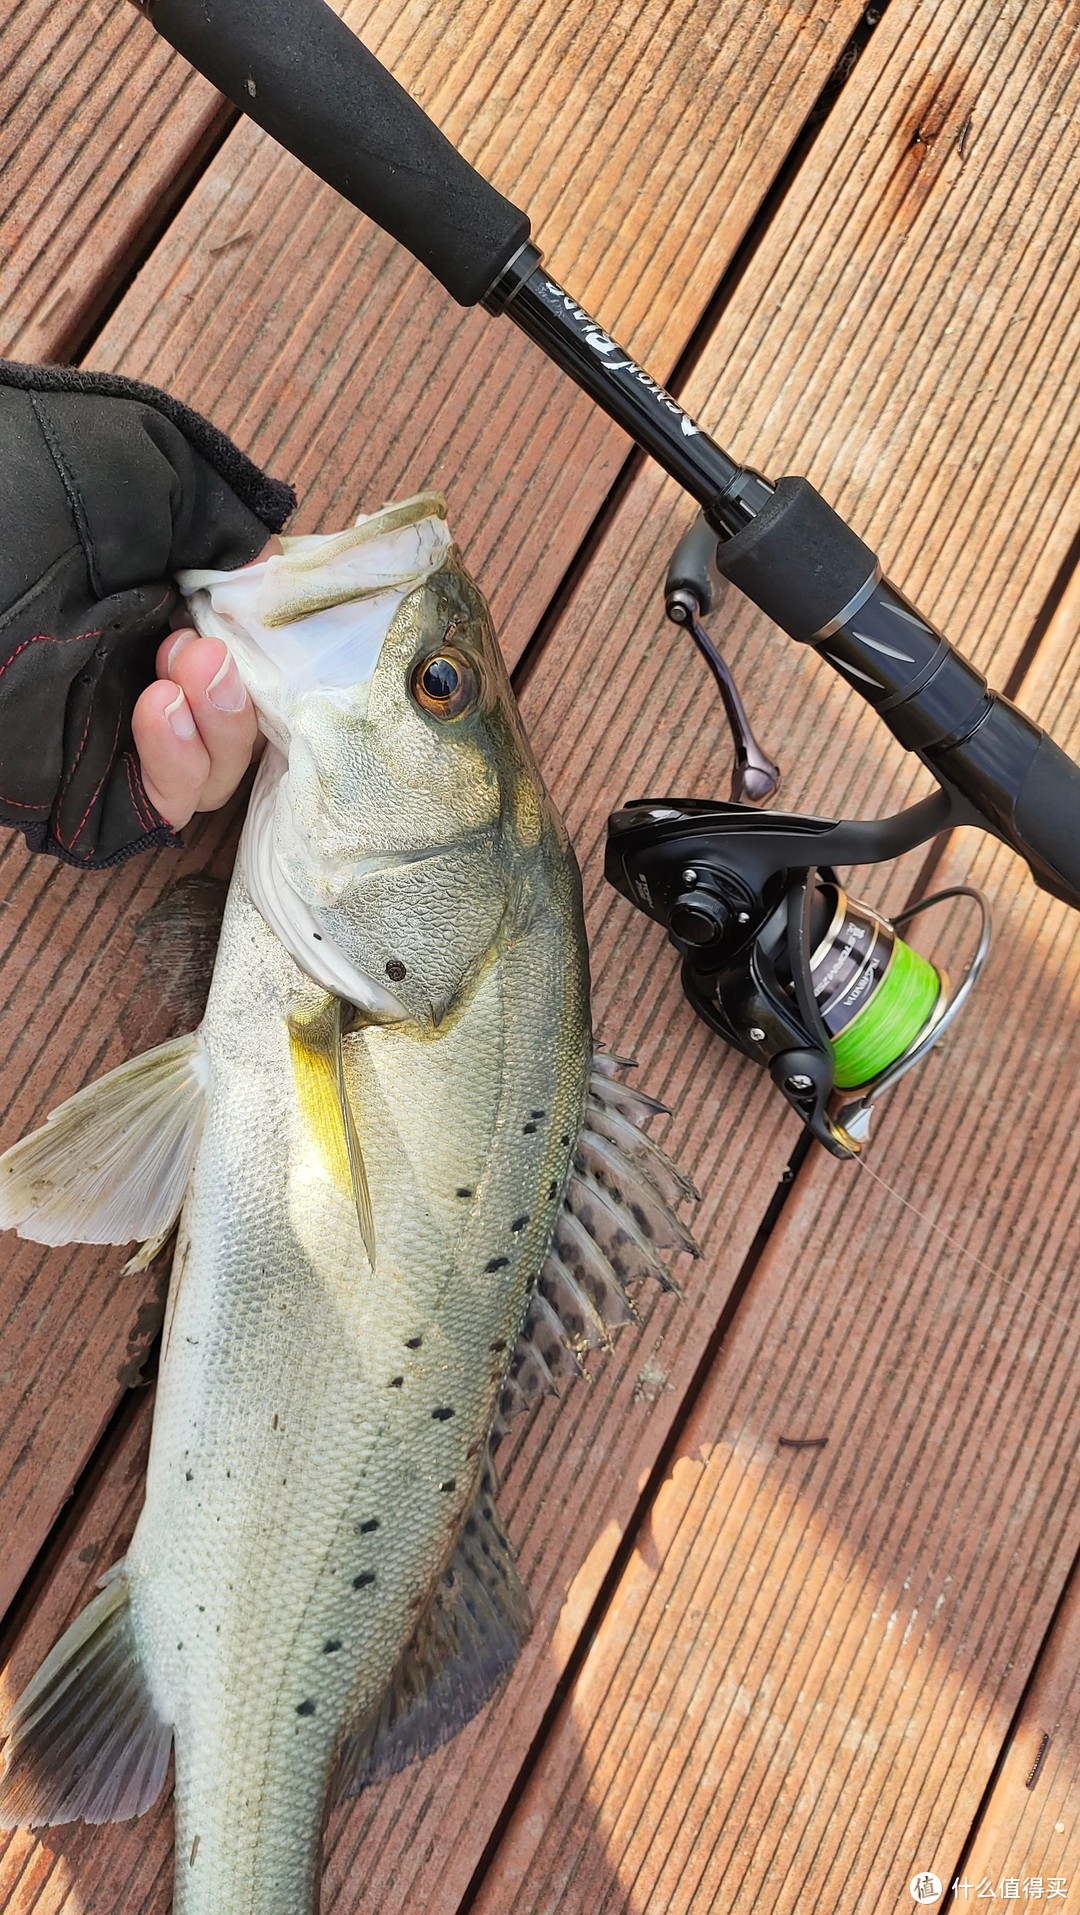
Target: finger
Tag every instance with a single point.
(222, 711)
(174, 761)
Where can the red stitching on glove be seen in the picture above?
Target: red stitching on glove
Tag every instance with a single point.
(75, 761)
(45, 638)
(96, 794)
(140, 803)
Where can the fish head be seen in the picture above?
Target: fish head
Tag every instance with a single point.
(413, 811)
(396, 823)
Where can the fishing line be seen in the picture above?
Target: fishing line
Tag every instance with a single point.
(954, 1243)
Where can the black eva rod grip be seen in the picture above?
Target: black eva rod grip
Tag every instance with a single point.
(303, 76)
(1046, 821)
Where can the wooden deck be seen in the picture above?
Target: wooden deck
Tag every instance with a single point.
(762, 1677)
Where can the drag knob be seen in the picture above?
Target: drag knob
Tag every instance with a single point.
(697, 917)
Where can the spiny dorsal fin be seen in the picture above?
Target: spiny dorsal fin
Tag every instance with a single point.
(608, 1121)
(617, 1215)
(84, 1742)
(463, 1651)
(631, 1193)
(315, 1037)
(112, 1163)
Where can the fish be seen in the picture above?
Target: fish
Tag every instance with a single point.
(409, 1194)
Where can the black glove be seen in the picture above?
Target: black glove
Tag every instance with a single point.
(107, 488)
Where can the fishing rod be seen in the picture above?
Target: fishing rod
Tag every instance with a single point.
(813, 985)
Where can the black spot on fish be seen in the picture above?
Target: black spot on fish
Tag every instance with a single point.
(463, 1192)
(497, 1263)
(305, 1708)
(329, 1647)
(189, 1476)
(528, 1130)
(443, 1413)
(450, 1483)
(538, 1113)
(499, 1344)
(365, 1529)
(317, 935)
(396, 1382)
(565, 1138)
(520, 1222)
(470, 1525)
(395, 970)
(553, 1191)
(364, 1580)
(179, 1645)
(413, 1343)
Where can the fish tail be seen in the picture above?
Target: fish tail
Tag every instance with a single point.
(84, 1742)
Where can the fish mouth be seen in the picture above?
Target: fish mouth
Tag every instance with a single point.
(315, 616)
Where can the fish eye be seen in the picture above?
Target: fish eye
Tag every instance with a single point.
(445, 684)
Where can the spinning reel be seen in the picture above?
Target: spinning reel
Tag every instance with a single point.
(793, 972)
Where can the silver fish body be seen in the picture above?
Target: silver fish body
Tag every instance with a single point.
(322, 1425)
(374, 1210)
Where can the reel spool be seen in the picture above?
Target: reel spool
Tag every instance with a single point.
(876, 996)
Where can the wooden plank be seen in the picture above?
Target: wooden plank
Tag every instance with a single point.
(89, 974)
(341, 296)
(39, 1873)
(908, 336)
(1028, 1829)
(1029, 1832)
(102, 128)
(614, 706)
(803, 1679)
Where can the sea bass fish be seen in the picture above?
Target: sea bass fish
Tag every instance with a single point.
(409, 1196)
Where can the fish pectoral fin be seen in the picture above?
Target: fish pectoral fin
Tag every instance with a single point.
(315, 1037)
(113, 1163)
(84, 1742)
(467, 1644)
(361, 1189)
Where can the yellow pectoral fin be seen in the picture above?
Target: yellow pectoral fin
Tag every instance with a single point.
(319, 1071)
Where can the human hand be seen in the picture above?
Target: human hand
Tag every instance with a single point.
(108, 490)
(195, 728)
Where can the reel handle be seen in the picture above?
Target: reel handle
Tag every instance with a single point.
(304, 77)
(814, 577)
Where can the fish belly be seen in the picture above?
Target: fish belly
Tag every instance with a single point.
(321, 1424)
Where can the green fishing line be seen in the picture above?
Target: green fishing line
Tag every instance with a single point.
(889, 1022)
